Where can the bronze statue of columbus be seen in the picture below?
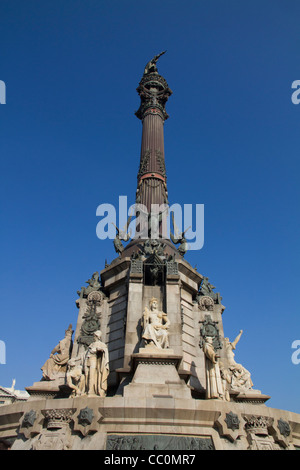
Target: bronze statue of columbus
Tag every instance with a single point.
(151, 66)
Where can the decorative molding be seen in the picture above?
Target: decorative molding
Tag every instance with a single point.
(232, 421)
(95, 298)
(154, 93)
(161, 162)
(94, 284)
(85, 417)
(144, 163)
(136, 266)
(206, 303)
(91, 319)
(207, 289)
(58, 418)
(284, 427)
(282, 432)
(30, 423)
(209, 328)
(29, 419)
(88, 419)
(229, 425)
(172, 268)
(257, 424)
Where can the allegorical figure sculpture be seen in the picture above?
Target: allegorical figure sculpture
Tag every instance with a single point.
(75, 378)
(121, 235)
(96, 367)
(214, 381)
(59, 357)
(93, 285)
(156, 324)
(240, 377)
(230, 346)
(118, 245)
(179, 237)
(207, 288)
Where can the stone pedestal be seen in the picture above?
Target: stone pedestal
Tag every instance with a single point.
(47, 388)
(155, 374)
(249, 396)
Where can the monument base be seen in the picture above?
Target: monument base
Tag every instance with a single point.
(150, 423)
(155, 374)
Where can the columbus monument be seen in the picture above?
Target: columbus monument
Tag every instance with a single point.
(148, 365)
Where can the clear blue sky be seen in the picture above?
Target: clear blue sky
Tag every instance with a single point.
(69, 141)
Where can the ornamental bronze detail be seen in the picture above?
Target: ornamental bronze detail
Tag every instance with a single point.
(91, 319)
(209, 328)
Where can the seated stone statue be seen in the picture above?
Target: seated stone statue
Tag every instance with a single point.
(240, 378)
(59, 357)
(156, 324)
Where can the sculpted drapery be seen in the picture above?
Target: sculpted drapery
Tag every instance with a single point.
(156, 324)
(96, 367)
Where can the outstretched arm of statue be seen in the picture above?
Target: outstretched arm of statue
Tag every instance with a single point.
(158, 55)
(235, 342)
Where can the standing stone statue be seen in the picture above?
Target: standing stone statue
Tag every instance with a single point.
(96, 367)
(59, 357)
(156, 324)
(214, 381)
